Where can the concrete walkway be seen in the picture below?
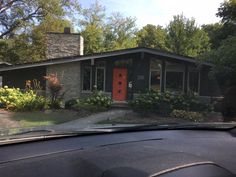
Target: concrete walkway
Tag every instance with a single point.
(90, 121)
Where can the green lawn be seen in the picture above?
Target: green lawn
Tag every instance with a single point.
(41, 118)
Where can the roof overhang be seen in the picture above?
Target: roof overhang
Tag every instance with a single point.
(104, 55)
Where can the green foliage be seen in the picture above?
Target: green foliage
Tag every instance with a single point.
(223, 37)
(227, 11)
(225, 64)
(98, 99)
(105, 33)
(165, 103)
(27, 37)
(185, 38)
(119, 32)
(70, 103)
(20, 15)
(187, 115)
(152, 36)
(92, 35)
(216, 34)
(14, 99)
(94, 103)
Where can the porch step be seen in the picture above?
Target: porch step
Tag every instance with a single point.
(120, 105)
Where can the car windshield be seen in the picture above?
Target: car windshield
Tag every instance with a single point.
(90, 66)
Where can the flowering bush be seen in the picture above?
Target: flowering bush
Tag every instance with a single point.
(14, 99)
(98, 99)
(153, 101)
(97, 102)
(165, 103)
(55, 88)
(187, 115)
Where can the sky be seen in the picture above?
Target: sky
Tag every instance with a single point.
(160, 12)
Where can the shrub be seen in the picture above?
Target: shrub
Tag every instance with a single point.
(14, 99)
(152, 101)
(187, 115)
(55, 88)
(189, 102)
(98, 99)
(165, 103)
(70, 103)
(95, 103)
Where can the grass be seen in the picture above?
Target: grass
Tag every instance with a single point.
(134, 118)
(42, 118)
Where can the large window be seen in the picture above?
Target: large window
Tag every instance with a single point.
(100, 78)
(87, 78)
(193, 81)
(174, 77)
(174, 81)
(155, 75)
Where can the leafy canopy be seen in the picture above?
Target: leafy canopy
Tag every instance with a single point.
(185, 38)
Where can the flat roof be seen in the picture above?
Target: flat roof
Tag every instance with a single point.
(70, 59)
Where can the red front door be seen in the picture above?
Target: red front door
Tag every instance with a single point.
(119, 91)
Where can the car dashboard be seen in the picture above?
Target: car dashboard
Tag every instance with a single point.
(166, 153)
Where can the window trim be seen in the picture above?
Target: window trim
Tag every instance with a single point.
(86, 91)
(175, 70)
(150, 74)
(104, 70)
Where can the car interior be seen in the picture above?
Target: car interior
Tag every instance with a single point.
(165, 153)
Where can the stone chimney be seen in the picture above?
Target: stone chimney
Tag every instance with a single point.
(64, 44)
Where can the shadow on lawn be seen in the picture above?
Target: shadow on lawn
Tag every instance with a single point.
(42, 118)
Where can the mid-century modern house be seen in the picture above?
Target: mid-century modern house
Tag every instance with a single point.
(121, 74)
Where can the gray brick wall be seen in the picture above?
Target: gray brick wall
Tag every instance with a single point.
(70, 77)
(63, 45)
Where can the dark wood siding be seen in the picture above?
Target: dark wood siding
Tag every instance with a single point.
(109, 75)
(141, 74)
(17, 78)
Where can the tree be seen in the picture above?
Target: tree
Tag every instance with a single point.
(215, 33)
(185, 38)
(103, 33)
(17, 14)
(92, 27)
(93, 38)
(25, 40)
(31, 45)
(225, 64)
(223, 55)
(227, 11)
(119, 32)
(152, 36)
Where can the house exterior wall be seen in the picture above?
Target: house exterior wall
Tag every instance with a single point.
(63, 45)
(17, 78)
(69, 75)
(140, 74)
